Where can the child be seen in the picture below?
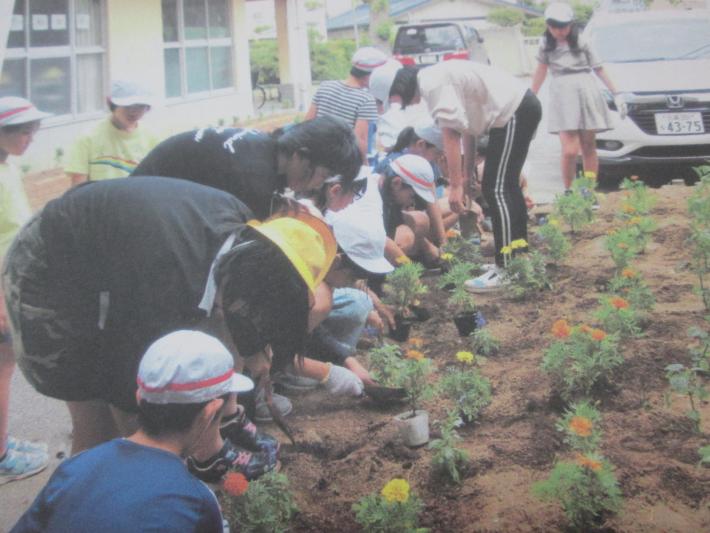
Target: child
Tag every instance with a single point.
(114, 147)
(140, 483)
(19, 121)
(579, 109)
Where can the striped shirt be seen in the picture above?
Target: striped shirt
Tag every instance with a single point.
(335, 99)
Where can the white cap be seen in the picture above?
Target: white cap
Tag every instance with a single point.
(188, 366)
(362, 237)
(15, 110)
(559, 12)
(416, 172)
(430, 132)
(381, 81)
(368, 58)
(126, 93)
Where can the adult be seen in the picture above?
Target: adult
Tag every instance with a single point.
(109, 267)
(349, 99)
(118, 143)
(467, 100)
(19, 121)
(184, 380)
(577, 110)
(254, 166)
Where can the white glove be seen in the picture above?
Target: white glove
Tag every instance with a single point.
(343, 382)
(621, 107)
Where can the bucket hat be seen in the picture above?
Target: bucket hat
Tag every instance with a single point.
(362, 238)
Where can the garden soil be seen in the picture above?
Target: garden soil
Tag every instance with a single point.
(348, 448)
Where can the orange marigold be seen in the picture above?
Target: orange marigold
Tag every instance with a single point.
(581, 426)
(561, 329)
(586, 462)
(585, 329)
(235, 483)
(622, 245)
(414, 354)
(629, 208)
(619, 302)
(598, 334)
(417, 342)
(628, 273)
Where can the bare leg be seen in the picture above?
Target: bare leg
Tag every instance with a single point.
(7, 366)
(590, 158)
(418, 222)
(570, 148)
(92, 423)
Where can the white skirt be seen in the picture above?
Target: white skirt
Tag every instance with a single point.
(577, 103)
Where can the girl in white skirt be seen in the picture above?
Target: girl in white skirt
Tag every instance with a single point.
(577, 109)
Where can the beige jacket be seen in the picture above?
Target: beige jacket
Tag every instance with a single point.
(470, 97)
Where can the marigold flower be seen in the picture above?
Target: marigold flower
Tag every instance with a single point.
(628, 208)
(586, 462)
(628, 273)
(598, 335)
(561, 329)
(585, 329)
(622, 245)
(235, 483)
(402, 260)
(633, 220)
(446, 256)
(553, 222)
(414, 354)
(581, 426)
(619, 303)
(464, 357)
(396, 490)
(452, 233)
(506, 250)
(518, 243)
(417, 342)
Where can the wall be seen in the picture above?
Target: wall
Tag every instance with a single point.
(506, 49)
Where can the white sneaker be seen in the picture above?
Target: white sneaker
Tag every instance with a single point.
(488, 281)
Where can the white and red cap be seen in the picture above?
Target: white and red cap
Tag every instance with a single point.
(188, 366)
(381, 81)
(127, 93)
(368, 58)
(362, 238)
(559, 12)
(430, 132)
(15, 110)
(416, 172)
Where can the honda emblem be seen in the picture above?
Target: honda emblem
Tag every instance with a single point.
(674, 101)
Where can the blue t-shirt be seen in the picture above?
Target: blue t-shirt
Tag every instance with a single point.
(122, 486)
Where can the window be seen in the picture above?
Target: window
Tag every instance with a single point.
(197, 46)
(55, 55)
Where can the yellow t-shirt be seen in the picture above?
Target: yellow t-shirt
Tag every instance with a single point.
(14, 206)
(107, 152)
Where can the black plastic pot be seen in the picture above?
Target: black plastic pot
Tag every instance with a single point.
(402, 327)
(421, 314)
(466, 323)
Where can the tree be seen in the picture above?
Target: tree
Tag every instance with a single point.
(505, 16)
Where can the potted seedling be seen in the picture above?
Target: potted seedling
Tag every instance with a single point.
(413, 377)
(403, 288)
(466, 317)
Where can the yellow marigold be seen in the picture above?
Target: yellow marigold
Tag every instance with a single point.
(518, 243)
(402, 260)
(452, 233)
(417, 342)
(586, 462)
(464, 357)
(598, 335)
(561, 329)
(633, 220)
(396, 490)
(619, 302)
(628, 273)
(553, 222)
(628, 208)
(414, 354)
(585, 329)
(581, 426)
(446, 256)
(235, 483)
(611, 232)
(506, 250)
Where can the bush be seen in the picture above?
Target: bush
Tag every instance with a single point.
(264, 60)
(331, 60)
(505, 16)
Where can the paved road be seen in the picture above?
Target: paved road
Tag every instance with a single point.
(37, 417)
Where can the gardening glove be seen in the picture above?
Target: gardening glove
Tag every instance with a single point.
(343, 382)
(621, 106)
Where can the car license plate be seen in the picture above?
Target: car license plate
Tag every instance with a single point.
(428, 58)
(679, 123)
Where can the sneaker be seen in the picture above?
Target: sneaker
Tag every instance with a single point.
(486, 282)
(242, 432)
(231, 457)
(26, 446)
(487, 267)
(19, 465)
(282, 404)
(289, 379)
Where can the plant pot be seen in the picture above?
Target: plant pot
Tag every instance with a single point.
(467, 323)
(402, 326)
(414, 430)
(421, 314)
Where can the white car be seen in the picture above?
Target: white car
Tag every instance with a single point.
(660, 63)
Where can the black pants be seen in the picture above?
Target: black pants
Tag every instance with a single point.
(507, 150)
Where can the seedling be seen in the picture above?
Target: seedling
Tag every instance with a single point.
(687, 382)
(447, 457)
(393, 510)
(464, 385)
(462, 251)
(404, 286)
(385, 364)
(580, 426)
(483, 342)
(527, 274)
(617, 315)
(555, 242)
(575, 208)
(630, 285)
